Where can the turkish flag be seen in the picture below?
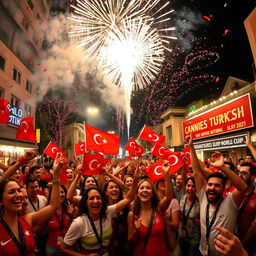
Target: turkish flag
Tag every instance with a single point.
(160, 150)
(155, 171)
(63, 176)
(51, 150)
(134, 148)
(151, 136)
(131, 146)
(175, 161)
(4, 111)
(186, 157)
(139, 150)
(79, 149)
(93, 164)
(100, 141)
(26, 130)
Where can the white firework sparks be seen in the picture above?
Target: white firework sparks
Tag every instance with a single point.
(123, 39)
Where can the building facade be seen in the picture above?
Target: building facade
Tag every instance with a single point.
(21, 39)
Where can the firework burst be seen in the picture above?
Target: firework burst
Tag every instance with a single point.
(126, 39)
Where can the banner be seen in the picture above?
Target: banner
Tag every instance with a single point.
(231, 116)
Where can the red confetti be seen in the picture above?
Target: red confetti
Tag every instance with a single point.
(45, 69)
(226, 32)
(217, 79)
(37, 64)
(207, 18)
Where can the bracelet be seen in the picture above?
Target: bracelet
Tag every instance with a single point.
(22, 160)
(56, 182)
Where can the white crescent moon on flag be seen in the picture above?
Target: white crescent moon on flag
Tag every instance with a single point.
(53, 150)
(91, 163)
(156, 137)
(82, 147)
(176, 159)
(132, 143)
(26, 124)
(159, 151)
(156, 172)
(95, 139)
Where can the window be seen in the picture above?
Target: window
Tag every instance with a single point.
(15, 102)
(25, 23)
(29, 86)
(169, 133)
(16, 76)
(1, 92)
(28, 110)
(2, 62)
(30, 4)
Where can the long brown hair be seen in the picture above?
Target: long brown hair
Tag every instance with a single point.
(154, 199)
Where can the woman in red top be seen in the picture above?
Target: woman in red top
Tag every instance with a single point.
(58, 224)
(16, 237)
(147, 204)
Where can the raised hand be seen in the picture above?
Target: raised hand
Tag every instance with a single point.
(166, 166)
(58, 164)
(189, 140)
(217, 160)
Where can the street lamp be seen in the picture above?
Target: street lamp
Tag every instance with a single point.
(92, 111)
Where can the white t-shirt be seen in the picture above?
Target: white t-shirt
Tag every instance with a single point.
(42, 202)
(81, 230)
(226, 217)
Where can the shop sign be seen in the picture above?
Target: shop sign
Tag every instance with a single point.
(228, 142)
(15, 115)
(231, 116)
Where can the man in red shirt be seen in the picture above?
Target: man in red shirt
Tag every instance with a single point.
(247, 213)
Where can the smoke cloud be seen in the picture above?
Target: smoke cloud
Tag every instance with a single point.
(62, 65)
(186, 22)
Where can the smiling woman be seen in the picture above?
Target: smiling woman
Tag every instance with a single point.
(92, 230)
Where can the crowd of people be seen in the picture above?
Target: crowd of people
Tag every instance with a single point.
(207, 210)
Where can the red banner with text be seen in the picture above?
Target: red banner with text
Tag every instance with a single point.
(231, 116)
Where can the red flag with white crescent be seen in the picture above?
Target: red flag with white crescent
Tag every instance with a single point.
(175, 161)
(155, 171)
(160, 150)
(151, 136)
(4, 111)
(93, 164)
(79, 149)
(26, 130)
(51, 150)
(100, 141)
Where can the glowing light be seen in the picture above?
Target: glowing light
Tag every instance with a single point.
(127, 39)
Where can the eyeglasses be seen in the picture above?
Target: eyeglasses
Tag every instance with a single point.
(243, 173)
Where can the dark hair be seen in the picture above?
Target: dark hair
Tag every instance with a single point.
(217, 175)
(3, 184)
(240, 159)
(30, 180)
(188, 179)
(64, 203)
(252, 168)
(158, 181)
(231, 165)
(33, 168)
(83, 183)
(83, 208)
(120, 196)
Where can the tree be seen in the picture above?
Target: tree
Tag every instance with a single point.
(54, 114)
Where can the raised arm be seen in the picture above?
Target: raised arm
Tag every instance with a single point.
(195, 163)
(72, 189)
(241, 187)
(113, 177)
(117, 171)
(250, 146)
(41, 216)
(29, 155)
(132, 192)
(165, 202)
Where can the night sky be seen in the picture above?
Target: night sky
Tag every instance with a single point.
(212, 45)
